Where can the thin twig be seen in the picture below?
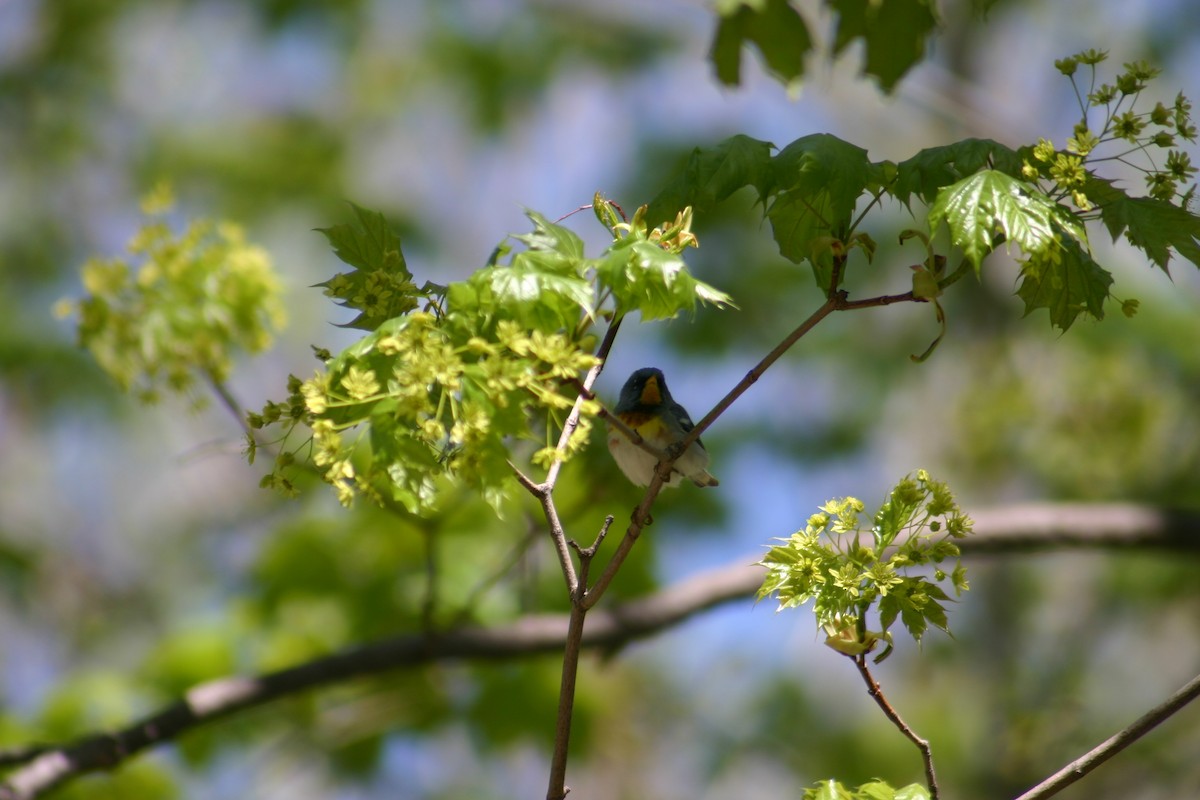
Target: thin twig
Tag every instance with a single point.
(826, 308)
(922, 744)
(533, 488)
(588, 382)
(586, 554)
(230, 402)
(1114, 744)
(882, 300)
(544, 494)
(557, 788)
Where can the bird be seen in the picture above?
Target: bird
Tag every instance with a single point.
(646, 406)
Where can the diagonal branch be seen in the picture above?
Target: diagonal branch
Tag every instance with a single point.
(544, 492)
(641, 514)
(751, 377)
(1115, 743)
(890, 712)
(589, 381)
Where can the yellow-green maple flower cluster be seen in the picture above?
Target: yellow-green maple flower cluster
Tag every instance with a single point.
(177, 307)
(1120, 122)
(426, 406)
(894, 568)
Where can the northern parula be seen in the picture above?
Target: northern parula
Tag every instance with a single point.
(647, 407)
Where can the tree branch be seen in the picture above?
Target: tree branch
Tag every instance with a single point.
(641, 515)
(1055, 526)
(48, 767)
(589, 381)
(826, 308)
(576, 582)
(1014, 530)
(1114, 744)
(876, 694)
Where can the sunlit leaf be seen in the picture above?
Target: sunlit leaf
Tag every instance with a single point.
(534, 290)
(990, 204)
(875, 790)
(644, 277)
(828, 790)
(914, 791)
(552, 237)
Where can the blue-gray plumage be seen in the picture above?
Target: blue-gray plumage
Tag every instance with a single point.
(646, 406)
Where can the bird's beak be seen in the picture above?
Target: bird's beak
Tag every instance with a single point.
(651, 394)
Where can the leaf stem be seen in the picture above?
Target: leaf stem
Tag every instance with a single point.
(874, 201)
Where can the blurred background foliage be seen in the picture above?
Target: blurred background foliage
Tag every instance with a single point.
(138, 556)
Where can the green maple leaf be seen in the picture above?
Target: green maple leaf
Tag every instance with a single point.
(710, 176)
(1068, 283)
(934, 168)
(644, 277)
(813, 185)
(542, 287)
(380, 286)
(990, 204)
(371, 245)
(1155, 226)
(552, 238)
(536, 292)
(893, 32)
(775, 28)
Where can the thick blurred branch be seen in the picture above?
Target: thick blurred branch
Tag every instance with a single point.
(607, 629)
(1057, 526)
(1014, 530)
